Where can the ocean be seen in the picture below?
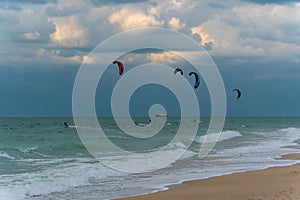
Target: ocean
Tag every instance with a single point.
(42, 159)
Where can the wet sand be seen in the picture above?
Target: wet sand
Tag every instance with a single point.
(272, 183)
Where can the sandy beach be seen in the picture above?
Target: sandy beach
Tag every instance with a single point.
(272, 183)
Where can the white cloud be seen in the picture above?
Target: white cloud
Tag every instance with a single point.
(130, 18)
(88, 59)
(26, 24)
(69, 32)
(165, 57)
(175, 23)
(270, 22)
(267, 31)
(169, 9)
(226, 39)
(32, 36)
(274, 28)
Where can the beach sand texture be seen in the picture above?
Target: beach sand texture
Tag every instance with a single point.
(276, 183)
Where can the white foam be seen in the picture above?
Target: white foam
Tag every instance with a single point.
(28, 149)
(67, 173)
(85, 128)
(178, 145)
(281, 137)
(232, 157)
(226, 135)
(264, 150)
(54, 179)
(188, 154)
(5, 155)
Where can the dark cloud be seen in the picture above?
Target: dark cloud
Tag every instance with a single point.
(66, 11)
(208, 46)
(10, 6)
(29, 1)
(147, 50)
(196, 37)
(217, 5)
(104, 2)
(25, 27)
(7, 19)
(273, 1)
(65, 52)
(39, 34)
(33, 92)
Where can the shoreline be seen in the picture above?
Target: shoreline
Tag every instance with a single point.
(278, 182)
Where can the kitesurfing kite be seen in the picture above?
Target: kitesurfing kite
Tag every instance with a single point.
(66, 124)
(238, 93)
(178, 70)
(197, 82)
(121, 66)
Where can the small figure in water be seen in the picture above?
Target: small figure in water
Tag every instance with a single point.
(141, 124)
(66, 124)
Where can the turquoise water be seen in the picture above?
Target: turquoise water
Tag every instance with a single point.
(41, 159)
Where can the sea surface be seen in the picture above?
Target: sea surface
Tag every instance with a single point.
(42, 159)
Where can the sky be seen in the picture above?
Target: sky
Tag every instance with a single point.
(255, 45)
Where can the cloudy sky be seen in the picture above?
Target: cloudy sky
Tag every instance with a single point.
(254, 43)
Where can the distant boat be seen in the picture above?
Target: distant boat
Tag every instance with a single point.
(161, 115)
